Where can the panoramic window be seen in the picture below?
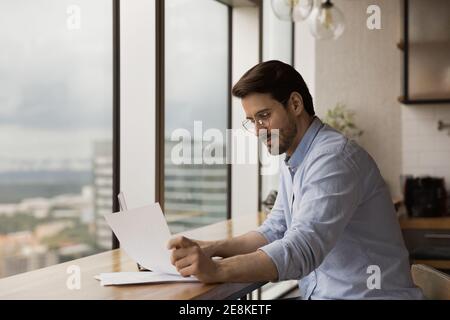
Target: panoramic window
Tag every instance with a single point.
(55, 131)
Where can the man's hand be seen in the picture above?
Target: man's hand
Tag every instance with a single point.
(191, 260)
(208, 247)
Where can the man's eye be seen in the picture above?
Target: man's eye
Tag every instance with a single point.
(265, 115)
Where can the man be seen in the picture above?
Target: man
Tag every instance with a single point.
(333, 225)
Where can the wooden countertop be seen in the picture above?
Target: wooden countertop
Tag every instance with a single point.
(424, 223)
(50, 282)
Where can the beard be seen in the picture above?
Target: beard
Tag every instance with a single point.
(278, 141)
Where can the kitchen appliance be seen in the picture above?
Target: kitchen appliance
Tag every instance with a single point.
(425, 196)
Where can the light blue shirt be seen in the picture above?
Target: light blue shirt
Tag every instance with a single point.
(333, 225)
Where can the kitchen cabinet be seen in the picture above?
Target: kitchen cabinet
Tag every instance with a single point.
(426, 51)
(427, 240)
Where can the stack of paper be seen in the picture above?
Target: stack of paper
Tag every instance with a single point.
(122, 278)
(143, 234)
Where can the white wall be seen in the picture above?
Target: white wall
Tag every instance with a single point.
(305, 55)
(362, 69)
(138, 102)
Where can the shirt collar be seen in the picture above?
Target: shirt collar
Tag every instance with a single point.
(294, 161)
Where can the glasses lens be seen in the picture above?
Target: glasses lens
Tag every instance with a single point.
(249, 125)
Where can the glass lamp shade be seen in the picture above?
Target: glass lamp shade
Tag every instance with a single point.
(292, 10)
(327, 21)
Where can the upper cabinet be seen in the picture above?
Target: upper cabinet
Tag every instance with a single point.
(426, 51)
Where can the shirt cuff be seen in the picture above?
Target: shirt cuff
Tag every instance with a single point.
(276, 252)
(267, 233)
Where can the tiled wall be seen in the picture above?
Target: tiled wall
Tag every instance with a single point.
(425, 150)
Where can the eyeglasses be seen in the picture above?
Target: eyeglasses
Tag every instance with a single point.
(261, 119)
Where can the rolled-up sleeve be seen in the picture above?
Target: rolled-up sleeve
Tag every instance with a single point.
(274, 226)
(326, 200)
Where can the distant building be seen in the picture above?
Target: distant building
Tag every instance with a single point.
(103, 186)
(38, 207)
(21, 252)
(72, 252)
(52, 228)
(11, 265)
(195, 194)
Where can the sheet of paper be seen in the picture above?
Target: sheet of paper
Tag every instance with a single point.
(143, 234)
(122, 278)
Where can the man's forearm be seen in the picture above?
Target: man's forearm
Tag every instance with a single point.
(247, 243)
(253, 267)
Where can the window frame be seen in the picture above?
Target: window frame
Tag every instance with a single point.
(116, 111)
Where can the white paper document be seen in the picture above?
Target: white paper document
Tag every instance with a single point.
(144, 234)
(123, 278)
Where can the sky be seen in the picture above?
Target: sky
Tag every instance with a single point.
(196, 64)
(56, 82)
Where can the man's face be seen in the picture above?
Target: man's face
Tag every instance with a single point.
(273, 116)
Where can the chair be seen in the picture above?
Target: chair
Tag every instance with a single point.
(435, 284)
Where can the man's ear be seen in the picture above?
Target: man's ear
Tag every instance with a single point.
(296, 104)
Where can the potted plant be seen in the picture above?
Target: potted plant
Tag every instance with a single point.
(342, 119)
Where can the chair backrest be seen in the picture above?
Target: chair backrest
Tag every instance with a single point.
(435, 284)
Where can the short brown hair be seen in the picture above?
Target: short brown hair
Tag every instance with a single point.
(277, 79)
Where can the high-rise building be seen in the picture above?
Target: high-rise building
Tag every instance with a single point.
(195, 194)
(103, 187)
(21, 252)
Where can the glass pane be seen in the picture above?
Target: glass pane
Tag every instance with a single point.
(55, 131)
(196, 90)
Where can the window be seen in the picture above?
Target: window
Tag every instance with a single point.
(197, 96)
(56, 133)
